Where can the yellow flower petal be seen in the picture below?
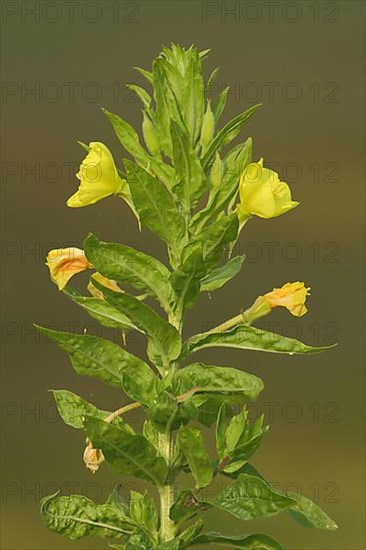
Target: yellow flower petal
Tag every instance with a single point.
(108, 283)
(63, 263)
(262, 193)
(292, 296)
(98, 177)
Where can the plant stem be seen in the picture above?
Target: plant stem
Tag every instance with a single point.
(166, 492)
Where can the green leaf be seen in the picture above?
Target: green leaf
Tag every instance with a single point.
(171, 545)
(192, 447)
(95, 357)
(220, 104)
(143, 512)
(107, 315)
(250, 497)
(222, 382)
(183, 76)
(186, 506)
(77, 516)
(156, 206)
(189, 534)
(214, 238)
(186, 280)
(248, 542)
(248, 337)
(146, 74)
(191, 178)
(303, 510)
(127, 454)
(164, 341)
(128, 137)
(233, 165)
(73, 408)
(128, 265)
(226, 135)
(242, 439)
(221, 275)
(221, 430)
(308, 514)
(142, 385)
(142, 94)
(151, 433)
(138, 541)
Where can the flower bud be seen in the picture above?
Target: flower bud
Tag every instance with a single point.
(150, 136)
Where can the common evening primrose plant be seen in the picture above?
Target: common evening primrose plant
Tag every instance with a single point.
(195, 192)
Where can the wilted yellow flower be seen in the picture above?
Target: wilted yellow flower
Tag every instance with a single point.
(108, 283)
(292, 296)
(93, 458)
(63, 263)
(262, 193)
(98, 177)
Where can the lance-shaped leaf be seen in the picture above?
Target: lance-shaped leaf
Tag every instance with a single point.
(128, 137)
(77, 516)
(220, 104)
(250, 497)
(308, 514)
(220, 431)
(233, 165)
(242, 439)
(192, 446)
(128, 265)
(303, 510)
(248, 337)
(186, 506)
(189, 534)
(138, 541)
(127, 454)
(214, 239)
(186, 280)
(248, 542)
(226, 135)
(179, 93)
(223, 382)
(73, 408)
(94, 356)
(191, 178)
(143, 512)
(166, 103)
(156, 206)
(221, 275)
(142, 385)
(107, 315)
(164, 341)
(142, 94)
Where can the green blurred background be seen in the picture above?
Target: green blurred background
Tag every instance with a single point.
(304, 61)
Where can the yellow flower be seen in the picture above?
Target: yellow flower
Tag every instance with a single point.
(262, 193)
(108, 283)
(292, 296)
(98, 177)
(64, 263)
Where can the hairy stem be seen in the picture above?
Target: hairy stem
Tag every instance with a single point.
(166, 492)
